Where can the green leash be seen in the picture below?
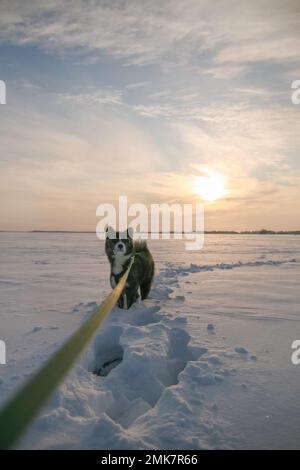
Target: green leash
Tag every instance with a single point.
(20, 410)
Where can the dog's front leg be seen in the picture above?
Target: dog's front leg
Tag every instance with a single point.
(128, 297)
(132, 296)
(123, 301)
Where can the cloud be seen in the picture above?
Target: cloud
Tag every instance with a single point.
(141, 31)
(225, 71)
(255, 92)
(156, 110)
(244, 135)
(98, 97)
(55, 168)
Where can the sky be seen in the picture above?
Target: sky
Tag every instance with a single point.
(145, 98)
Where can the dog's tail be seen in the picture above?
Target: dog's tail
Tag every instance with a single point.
(140, 246)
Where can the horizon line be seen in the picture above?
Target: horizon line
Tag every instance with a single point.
(211, 232)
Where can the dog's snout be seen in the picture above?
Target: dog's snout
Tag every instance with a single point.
(120, 245)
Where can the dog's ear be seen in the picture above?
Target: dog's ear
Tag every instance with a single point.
(110, 233)
(130, 232)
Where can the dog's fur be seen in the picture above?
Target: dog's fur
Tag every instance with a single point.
(120, 248)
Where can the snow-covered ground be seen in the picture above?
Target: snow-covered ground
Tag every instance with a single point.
(205, 362)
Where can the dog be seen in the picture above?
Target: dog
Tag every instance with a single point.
(120, 249)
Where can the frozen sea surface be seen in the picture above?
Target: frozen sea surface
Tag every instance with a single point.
(204, 363)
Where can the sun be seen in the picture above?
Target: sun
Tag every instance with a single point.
(211, 186)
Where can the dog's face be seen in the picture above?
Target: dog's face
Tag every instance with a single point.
(118, 243)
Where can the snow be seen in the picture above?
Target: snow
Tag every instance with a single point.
(204, 363)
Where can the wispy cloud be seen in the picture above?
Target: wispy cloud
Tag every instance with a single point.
(97, 97)
(141, 31)
(225, 71)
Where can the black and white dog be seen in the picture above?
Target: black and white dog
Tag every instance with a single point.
(120, 249)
